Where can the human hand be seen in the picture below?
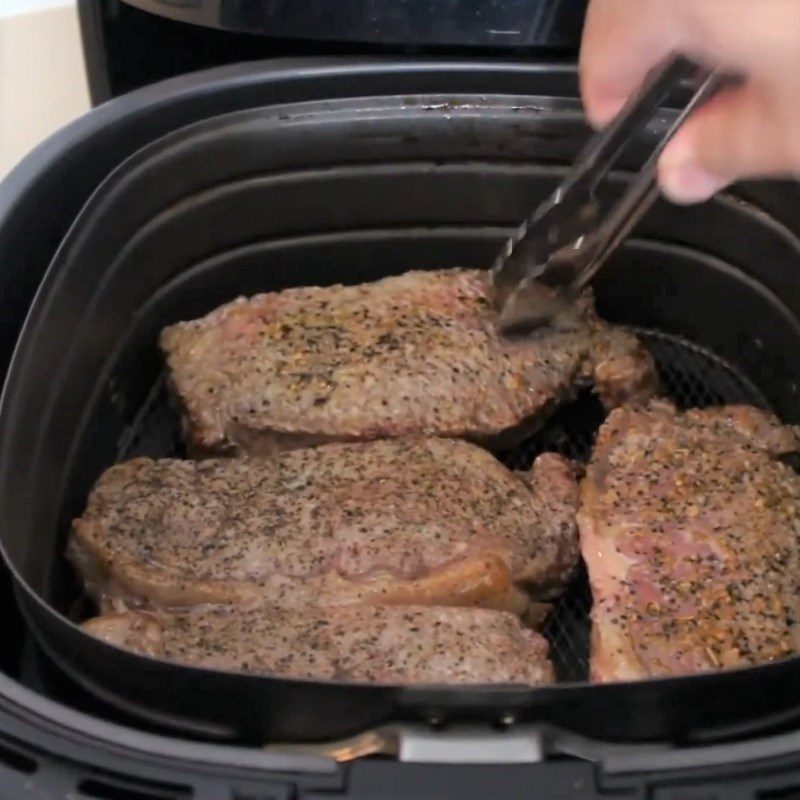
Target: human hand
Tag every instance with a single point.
(748, 131)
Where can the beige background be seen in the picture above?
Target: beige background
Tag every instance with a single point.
(42, 76)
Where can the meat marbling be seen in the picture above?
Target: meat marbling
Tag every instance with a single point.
(381, 644)
(413, 354)
(398, 521)
(690, 530)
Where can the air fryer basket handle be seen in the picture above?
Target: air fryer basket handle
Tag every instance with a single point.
(423, 744)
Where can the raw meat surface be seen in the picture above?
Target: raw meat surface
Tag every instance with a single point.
(413, 354)
(398, 521)
(690, 530)
(380, 644)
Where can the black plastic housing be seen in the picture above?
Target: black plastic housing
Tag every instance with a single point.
(349, 190)
(498, 24)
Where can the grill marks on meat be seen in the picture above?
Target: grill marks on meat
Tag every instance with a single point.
(413, 354)
(398, 521)
(382, 644)
(690, 531)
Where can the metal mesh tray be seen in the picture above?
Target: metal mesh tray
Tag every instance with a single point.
(691, 376)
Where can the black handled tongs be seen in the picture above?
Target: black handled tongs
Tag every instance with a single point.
(568, 238)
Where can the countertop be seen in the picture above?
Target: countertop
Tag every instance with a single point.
(42, 75)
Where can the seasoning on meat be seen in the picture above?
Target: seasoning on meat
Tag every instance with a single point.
(413, 354)
(689, 527)
(398, 521)
(380, 644)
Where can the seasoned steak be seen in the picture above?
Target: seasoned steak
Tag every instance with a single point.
(690, 530)
(380, 644)
(414, 354)
(411, 521)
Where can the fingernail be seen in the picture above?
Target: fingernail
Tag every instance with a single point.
(688, 183)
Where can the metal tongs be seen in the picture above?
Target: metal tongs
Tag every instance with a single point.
(568, 238)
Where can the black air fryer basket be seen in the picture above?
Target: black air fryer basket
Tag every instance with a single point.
(427, 166)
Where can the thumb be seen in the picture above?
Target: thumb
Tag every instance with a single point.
(739, 134)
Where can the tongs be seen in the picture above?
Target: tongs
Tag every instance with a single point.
(568, 238)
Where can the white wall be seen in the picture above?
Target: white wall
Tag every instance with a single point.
(42, 75)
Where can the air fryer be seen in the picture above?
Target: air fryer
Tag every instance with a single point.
(232, 182)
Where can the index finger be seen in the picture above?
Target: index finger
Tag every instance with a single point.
(622, 41)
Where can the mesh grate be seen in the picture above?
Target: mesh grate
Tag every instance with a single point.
(691, 376)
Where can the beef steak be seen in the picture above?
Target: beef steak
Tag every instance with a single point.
(403, 521)
(690, 530)
(380, 644)
(413, 354)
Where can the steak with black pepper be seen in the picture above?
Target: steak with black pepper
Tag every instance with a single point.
(378, 644)
(413, 354)
(690, 528)
(398, 521)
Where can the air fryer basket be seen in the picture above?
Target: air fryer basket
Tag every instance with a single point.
(348, 191)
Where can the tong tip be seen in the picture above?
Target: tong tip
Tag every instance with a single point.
(533, 306)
